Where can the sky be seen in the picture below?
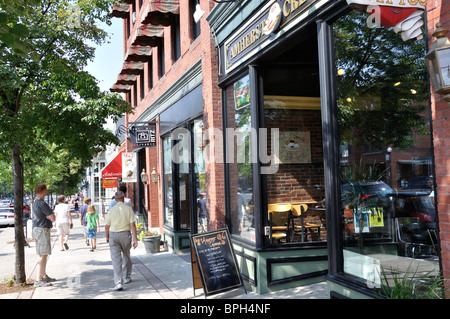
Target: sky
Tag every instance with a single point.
(108, 59)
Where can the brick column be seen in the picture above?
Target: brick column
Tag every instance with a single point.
(439, 11)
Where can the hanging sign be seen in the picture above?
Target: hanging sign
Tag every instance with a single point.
(143, 136)
(216, 261)
(109, 183)
(129, 167)
(404, 16)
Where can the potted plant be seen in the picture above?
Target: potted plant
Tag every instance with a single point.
(151, 240)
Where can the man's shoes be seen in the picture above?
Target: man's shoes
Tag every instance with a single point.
(118, 287)
(127, 280)
(46, 278)
(66, 246)
(41, 283)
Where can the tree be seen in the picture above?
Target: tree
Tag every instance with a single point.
(45, 96)
(375, 96)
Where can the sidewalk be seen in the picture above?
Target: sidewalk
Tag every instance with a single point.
(82, 274)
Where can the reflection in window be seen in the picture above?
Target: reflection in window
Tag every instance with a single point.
(389, 221)
(239, 159)
(200, 174)
(168, 184)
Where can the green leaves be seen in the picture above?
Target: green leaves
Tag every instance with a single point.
(49, 106)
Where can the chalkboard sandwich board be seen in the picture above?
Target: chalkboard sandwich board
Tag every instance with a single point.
(216, 261)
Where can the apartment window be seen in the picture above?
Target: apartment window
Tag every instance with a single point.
(133, 15)
(176, 41)
(162, 67)
(150, 74)
(195, 26)
(135, 95)
(142, 85)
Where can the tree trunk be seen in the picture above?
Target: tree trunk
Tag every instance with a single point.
(17, 171)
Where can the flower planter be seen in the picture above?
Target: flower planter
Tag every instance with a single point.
(152, 244)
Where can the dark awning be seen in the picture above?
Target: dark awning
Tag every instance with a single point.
(138, 53)
(148, 35)
(121, 10)
(160, 12)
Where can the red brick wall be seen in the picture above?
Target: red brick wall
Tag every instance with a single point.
(192, 50)
(439, 11)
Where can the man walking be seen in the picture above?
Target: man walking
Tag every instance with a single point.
(119, 221)
(43, 218)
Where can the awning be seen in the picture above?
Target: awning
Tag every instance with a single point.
(121, 10)
(138, 53)
(148, 35)
(114, 168)
(126, 79)
(160, 12)
(120, 88)
(132, 68)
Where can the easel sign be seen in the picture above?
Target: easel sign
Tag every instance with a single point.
(216, 261)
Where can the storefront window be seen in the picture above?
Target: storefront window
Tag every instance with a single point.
(389, 221)
(296, 190)
(168, 185)
(200, 173)
(238, 159)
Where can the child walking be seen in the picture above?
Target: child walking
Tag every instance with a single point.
(93, 226)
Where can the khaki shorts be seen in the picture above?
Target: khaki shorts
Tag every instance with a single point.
(63, 229)
(42, 237)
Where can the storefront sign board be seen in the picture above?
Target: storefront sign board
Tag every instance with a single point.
(263, 27)
(216, 261)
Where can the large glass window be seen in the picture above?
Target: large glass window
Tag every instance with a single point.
(168, 182)
(389, 221)
(292, 115)
(238, 159)
(200, 173)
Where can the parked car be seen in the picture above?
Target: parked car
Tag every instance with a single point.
(4, 203)
(414, 204)
(26, 210)
(420, 182)
(358, 193)
(6, 216)
(415, 222)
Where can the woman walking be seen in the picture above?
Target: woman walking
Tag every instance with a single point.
(63, 221)
(93, 226)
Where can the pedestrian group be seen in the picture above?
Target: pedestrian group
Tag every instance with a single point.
(120, 232)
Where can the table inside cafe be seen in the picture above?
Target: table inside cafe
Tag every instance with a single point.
(306, 222)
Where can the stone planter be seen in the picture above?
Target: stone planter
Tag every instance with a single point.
(152, 244)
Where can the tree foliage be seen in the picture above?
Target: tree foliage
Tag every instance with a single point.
(51, 111)
(382, 91)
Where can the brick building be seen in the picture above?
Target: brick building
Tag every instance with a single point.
(355, 157)
(170, 78)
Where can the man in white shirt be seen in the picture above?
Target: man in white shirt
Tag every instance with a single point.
(118, 223)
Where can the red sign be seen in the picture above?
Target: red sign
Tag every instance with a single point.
(114, 168)
(109, 183)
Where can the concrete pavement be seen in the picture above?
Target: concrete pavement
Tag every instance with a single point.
(82, 274)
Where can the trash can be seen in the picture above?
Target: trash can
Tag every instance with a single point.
(152, 244)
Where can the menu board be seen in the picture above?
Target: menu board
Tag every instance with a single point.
(216, 261)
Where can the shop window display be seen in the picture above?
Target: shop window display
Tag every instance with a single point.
(387, 203)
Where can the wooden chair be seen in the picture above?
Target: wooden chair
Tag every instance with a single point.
(298, 210)
(280, 216)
